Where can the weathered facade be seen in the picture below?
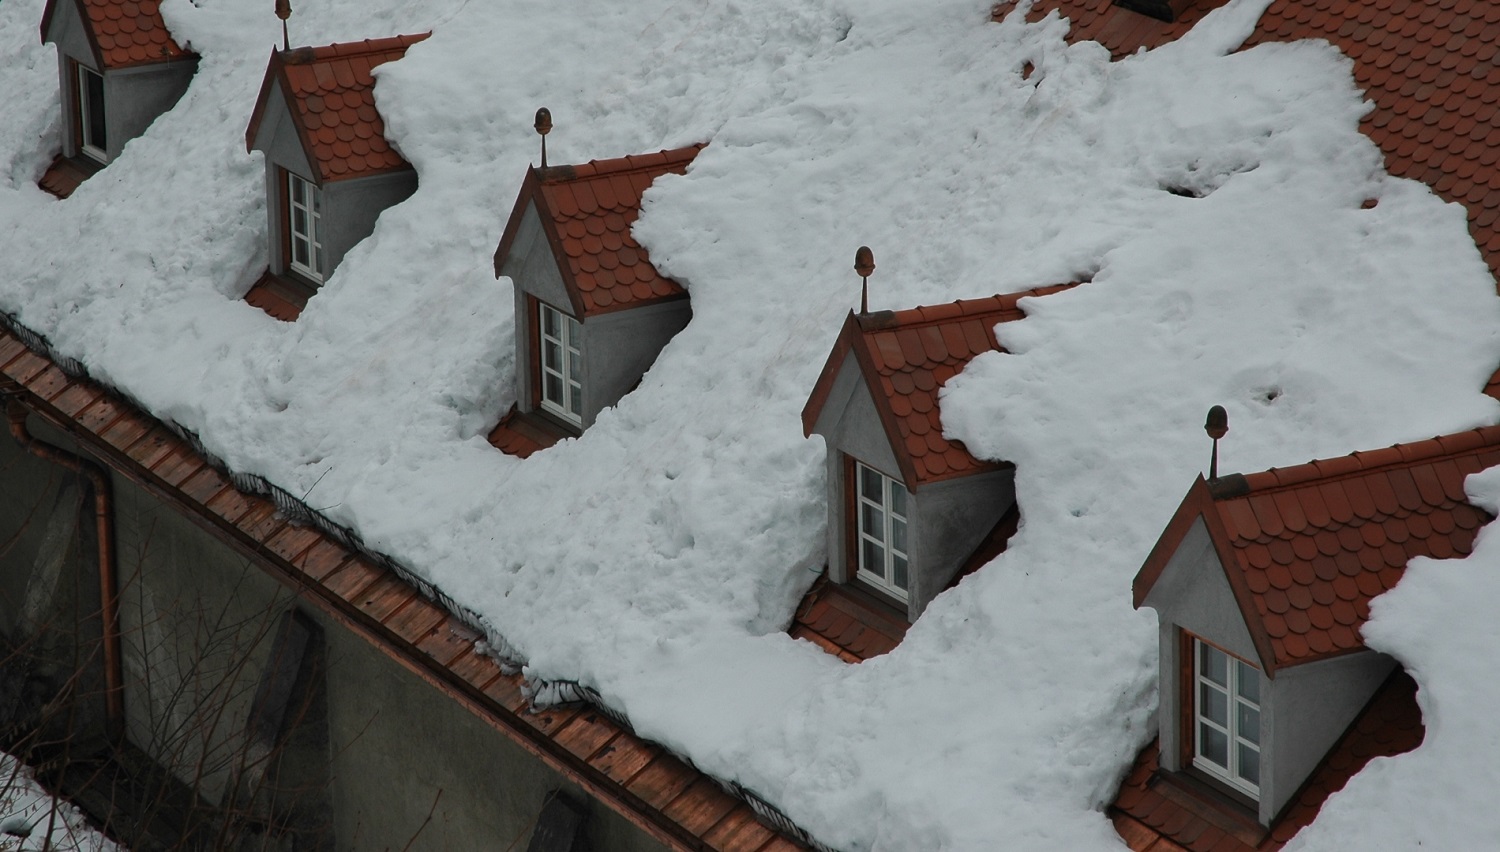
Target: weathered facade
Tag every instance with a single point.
(592, 312)
(329, 170)
(305, 693)
(117, 69)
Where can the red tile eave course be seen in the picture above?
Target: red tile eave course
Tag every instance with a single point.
(668, 799)
(1431, 70)
(1149, 821)
(905, 358)
(1307, 548)
(123, 33)
(331, 94)
(586, 212)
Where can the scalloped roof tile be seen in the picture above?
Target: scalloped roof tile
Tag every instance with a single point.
(1431, 70)
(587, 212)
(124, 33)
(332, 93)
(1308, 547)
(906, 357)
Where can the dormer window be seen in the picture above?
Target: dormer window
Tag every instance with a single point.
(883, 548)
(91, 125)
(304, 225)
(561, 363)
(1226, 718)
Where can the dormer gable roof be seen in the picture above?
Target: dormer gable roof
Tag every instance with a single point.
(905, 357)
(330, 94)
(586, 212)
(121, 33)
(1306, 548)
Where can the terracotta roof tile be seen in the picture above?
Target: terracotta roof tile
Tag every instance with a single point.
(907, 356)
(332, 94)
(124, 33)
(1311, 570)
(588, 211)
(1429, 67)
(1389, 725)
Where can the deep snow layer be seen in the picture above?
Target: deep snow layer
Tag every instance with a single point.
(658, 557)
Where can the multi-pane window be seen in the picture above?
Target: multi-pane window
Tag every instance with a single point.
(91, 114)
(1226, 711)
(305, 226)
(562, 364)
(881, 505)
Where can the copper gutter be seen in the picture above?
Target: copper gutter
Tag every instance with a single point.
(109, 602)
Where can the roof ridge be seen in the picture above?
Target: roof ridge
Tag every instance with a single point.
(345, 49)
(949, 311)
(662, 160)
(1364, 462)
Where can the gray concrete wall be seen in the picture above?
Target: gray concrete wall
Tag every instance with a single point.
(533, 271)
(1305, 711)
(951, 518)
(198, 622)
(621, 346)
(135, 97)
(72, 44)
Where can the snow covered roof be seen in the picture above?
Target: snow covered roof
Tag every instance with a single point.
(122, 33)
(1429, 68)
(1150, 819)
(334, 93)
(906, 357)
(586, 213)
(1307, 548)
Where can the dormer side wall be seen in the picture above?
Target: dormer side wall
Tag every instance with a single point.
(622, 346)
(851, 427)
(952, 518)
(351, 208)
(277, 137)
(66, 31)
(1192, 595)
(135, 97)
(532, 268)
(1309, 707)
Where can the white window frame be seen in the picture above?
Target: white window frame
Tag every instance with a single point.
(86, 114)
(567, 374)
(1241, 726)
(883, 534)
(311, 237)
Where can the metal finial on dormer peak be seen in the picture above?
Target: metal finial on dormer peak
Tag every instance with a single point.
(543, 127)
(864, 265)
(284, 11)
(1217, 426)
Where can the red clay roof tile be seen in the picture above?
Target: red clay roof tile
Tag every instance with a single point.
(587, 212)
(906, 357)
(332, 96)
(123, 33)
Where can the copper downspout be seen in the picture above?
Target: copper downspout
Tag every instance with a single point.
(114, 692)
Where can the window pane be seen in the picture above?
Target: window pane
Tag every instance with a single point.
(552, 356)
(1249, 763)
(869, 485)
(573, 368)
(1213, 745)
(299, 194)
(871, 521)
(318, 261)
(553, 389)
(1214, 665)
(574, 332)
(549, 322)
(299, 220)
(95, 86)
(1247, 723)
(299, 251)
(898, 498)
(575, 396)
(1249, 682)
(1213, 705)
(317, 198)
(898, 535)
(898, 572)
(872, 557)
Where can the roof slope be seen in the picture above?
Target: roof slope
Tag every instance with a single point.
(1432, 70)
(332, 96)
(587, 212)
(1149, 821)
(1307, 548)
(123, 33)
(906, 356)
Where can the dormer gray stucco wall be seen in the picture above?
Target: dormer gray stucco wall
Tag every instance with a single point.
(617, 347)
(1304, 709)
(133, 97)
(947, 520)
